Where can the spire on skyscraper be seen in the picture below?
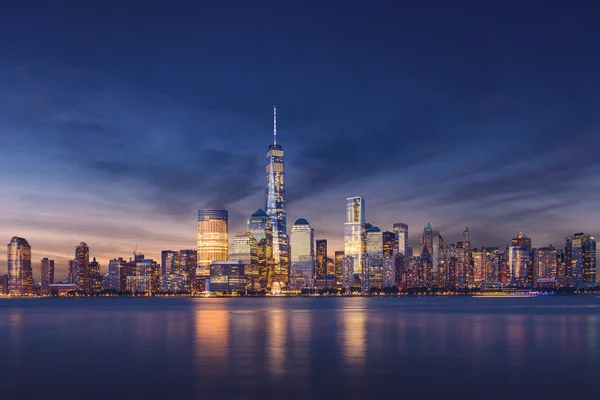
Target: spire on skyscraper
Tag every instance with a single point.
(274, 125)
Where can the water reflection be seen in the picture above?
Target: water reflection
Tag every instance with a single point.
(277, 330)
(354, 336)
(299, 348)
(211, 341)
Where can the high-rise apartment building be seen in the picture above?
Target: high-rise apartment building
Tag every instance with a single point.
(20, 274)
(212, 239)
(353, 231)
(302, 268)
(47, 270)
(321, 259)
(275, 202)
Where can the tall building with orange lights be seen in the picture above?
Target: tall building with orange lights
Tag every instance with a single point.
(212, 239)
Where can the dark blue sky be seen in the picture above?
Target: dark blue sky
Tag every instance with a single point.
(119, 120)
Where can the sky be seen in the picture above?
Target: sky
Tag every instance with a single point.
(120, 119)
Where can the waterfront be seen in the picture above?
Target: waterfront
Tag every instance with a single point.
(302, 348)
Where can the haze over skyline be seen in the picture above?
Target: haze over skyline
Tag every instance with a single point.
(483, 117)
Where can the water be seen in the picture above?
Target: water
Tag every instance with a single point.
(299, 348)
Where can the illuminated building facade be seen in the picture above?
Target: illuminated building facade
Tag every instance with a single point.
(302, 268)
(244, 248)
(433, 241)
(260, 226)
(3, 285)
(337, 261)
(580, 260)
(467, 265)
(373, 266)
(172, 283)
(545, 266)
(388, 271)
(524, 242)
(227, 276)
(169, 262)
(390, 245)
(275, 204)
(347, 272)
(353, 231)
(20, 274)
(478, 266)
(188, 260)
(321, 259)
(518, 264)
(47, 269)
(212, 238)
(146, 276)
(79, 273)
(401, 233)
(95, 277)
(118, 270)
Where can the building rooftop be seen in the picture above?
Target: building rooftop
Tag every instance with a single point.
(259, 213)
(301, 221)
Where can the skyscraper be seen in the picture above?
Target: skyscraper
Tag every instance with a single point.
(338, 257)
(260, 226)
(353, 231)
(580, 259)
(434, 242)
(213, 239)
(373, 259)
(94, 276)
(244, 248)
(20, 275)
(169, 262)
(347, 272)
(390, 244)
(518, 263)
(80, 273)
(302, 268)
(47, 269)
(524, 242)
(466, 251)
(275, 202)
(321, 259)
(188, 261)
(545, 266)
(401, 232)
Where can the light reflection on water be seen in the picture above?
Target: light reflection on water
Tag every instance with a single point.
(299, 348)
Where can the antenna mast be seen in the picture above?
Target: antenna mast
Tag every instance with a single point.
(274, 125)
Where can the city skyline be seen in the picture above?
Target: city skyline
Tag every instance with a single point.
(500, 137)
